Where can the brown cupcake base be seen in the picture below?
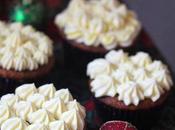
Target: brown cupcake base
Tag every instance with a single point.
(22, 75)
(145, 114)
(143, 105)
(96, 49)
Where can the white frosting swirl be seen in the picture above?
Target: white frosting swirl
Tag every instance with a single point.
(55, 106)
(37, 127)
(14, 123)
(141, 59)
(64, 95)
(121, 76)
(76, 105)
(130, 93)
(106, 23)
(22, 49)
(103, 85)
(37, 99)
(156, 66)
(140, 74)
(26, 90)
(73, 119)
(24, 109)
(5, 113)
(98, 67)
(41, 116)
(10, 99)
(116, 57)
(130, 78)
(163, 77)
(58, 125)
(47, 90)
(152, 89)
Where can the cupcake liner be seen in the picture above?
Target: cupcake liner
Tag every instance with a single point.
(142, 119)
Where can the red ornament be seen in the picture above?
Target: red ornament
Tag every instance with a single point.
(117, 125)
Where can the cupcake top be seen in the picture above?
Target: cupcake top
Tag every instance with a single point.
(129, 78)
(41, 108)
(22, 47)
(106, 23)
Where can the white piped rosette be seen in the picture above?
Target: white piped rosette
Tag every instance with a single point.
(130, 78)
(41, 108)
(106, 23)
(23, 48)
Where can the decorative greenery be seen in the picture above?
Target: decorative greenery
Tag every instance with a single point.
(28, 12)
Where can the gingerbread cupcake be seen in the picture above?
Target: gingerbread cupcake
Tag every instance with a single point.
(24, 52)
(41, 109)
(132, 88)
(91, 28)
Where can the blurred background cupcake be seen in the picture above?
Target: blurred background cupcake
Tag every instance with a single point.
(131, 88)
(25, 54)
(91, 28)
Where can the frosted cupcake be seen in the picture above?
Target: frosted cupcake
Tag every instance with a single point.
(94, 27)
(24, 52)
(132, 88)
(41, 108)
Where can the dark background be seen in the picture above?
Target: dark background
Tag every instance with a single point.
(158, 18)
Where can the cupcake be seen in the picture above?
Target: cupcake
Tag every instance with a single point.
(91, 28)
(132, 88)
(25, 54)
(41, 108)
(117, 125)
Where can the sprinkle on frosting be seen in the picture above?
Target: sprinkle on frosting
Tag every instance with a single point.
(41, 108)
(99, 22)
(23, 48)
(131, 78)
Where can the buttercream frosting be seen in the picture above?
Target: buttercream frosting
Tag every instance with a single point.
(130, 93)
(37, 99)
(26, 90)
(106, 23)
(98, 67)
(21, 48)
(64, 95)
(14, 123)
(152, 89)
(23, 109)
(41, 116)
(130, 78)
(58, 125)
(10, 99)
(73, 119)
(103, 85)
(76, 105)
(47, 90)
(141, 59)
(43, 108)
(116, 57)
(55, 106)
(37, 127)
(5, 113)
